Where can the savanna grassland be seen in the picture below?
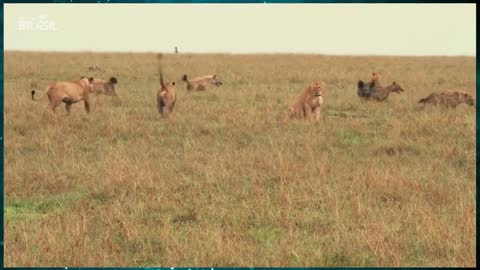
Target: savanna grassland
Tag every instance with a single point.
(226, 181)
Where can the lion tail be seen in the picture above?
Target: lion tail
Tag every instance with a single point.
(184, 77)
(34, 85)
(113, 80)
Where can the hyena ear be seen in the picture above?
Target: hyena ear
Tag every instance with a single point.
(90, 79)
(360, 84)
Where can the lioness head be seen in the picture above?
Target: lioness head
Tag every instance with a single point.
(317, 88)
(88, 83)
(376, 77)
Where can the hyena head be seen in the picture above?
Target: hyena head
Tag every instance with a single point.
(396, 88)
(216, 81)
(466, 98)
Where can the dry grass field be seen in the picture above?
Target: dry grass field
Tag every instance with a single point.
(226, 181)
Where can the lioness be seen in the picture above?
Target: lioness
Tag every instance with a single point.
(200, 83)
(69, 93)
(105, 87)
(449, 99)
(166, 97)
(309, 102)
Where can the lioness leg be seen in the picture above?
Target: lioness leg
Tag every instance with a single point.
(317, 113)
(54, 104)
(308, 111)
(87, 105)
(68, 103)
(160, 105)
(173, 106)
(68, 107)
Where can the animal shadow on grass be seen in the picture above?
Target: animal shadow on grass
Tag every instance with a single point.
(344, 115)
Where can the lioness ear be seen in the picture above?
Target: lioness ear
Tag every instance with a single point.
(394, 83)
(214, 76)
(173, 83)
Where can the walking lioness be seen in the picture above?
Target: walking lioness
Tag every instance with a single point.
(166, 94)
(68, 93)
(166, 97)
(200, 83)
(309, 102)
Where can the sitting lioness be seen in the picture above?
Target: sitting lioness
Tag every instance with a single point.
(68, 93)
(309, 102)
(449, 99)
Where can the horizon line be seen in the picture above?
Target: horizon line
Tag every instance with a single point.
(240, 53)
